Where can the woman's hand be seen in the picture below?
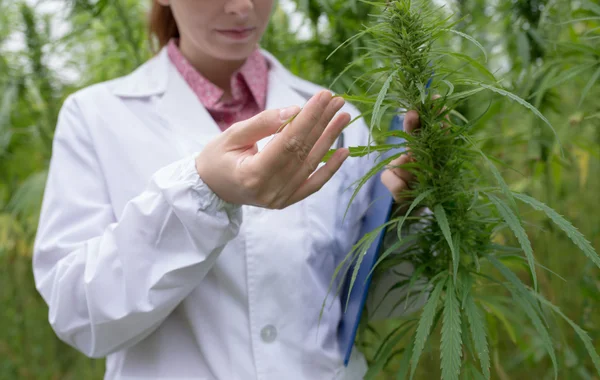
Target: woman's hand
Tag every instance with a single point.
(279, 175)
(396, 179)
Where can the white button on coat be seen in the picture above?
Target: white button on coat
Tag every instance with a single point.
(268, 333)
(141, 262)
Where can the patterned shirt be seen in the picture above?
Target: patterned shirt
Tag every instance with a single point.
(248, 87)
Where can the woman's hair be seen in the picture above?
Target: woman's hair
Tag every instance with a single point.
(162, 26)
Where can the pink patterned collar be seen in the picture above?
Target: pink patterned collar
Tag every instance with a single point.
(248, 83)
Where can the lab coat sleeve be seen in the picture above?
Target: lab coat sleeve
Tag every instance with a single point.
(110, 283)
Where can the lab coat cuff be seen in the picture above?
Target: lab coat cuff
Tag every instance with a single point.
(208, 201)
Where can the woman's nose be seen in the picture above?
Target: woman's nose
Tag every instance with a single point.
(239, 7)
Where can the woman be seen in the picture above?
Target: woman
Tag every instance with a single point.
(181, 237)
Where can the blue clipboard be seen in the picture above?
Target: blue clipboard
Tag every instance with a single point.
(378, 213)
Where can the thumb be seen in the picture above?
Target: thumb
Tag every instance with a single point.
(263, 125)
(411, 121)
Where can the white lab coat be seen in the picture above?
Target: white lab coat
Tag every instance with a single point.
(139, 260)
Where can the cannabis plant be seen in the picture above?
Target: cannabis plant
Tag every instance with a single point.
(455, 250)
(581, 56)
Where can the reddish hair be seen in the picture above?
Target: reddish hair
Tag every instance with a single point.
(161, 25)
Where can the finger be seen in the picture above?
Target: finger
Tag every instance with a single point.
(316, 181)
(301, 170)
(411, 121)
(334, 106)
(394, 184)
(326, 140)
(266, 123)
(400, 172)
(291, 144)
(309, 117)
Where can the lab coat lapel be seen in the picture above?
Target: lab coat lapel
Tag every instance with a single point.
(184, 113)
(281, 94)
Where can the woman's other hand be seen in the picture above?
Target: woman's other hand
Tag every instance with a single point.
(283, 173)
(395, 178)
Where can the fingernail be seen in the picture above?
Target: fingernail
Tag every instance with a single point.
(343, 153)
(325, 95)
(339, 102)
(286, 113)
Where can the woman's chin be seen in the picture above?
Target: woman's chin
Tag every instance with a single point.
(237, 52)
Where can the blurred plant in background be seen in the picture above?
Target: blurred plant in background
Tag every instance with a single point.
(548, 51)
(105, 41)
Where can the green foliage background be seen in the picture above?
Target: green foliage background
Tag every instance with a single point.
(540, 56)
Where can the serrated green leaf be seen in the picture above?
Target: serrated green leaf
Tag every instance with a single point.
(451, 345)
(366, 244)
(397, 134)
(382, 112)
(497, 311)
(385, 350)
(464, 94)
(360, 247)
(450, 87)
(497, 176)
(466, 284)
(361, 151)
(589, 345)
(524, 103)
(518, 257)
(351, 39)
(456, 243)
(373, 171)
(572, 232)
(478, 334)
(521, 295)
(393, 249)
(417, 201)
(346, 69)
(468, 348)
(381, 97)
(565, 76)
(413, 279)
(442, 220)
(424, 327)
(514, 280)
(478, 66)
(404, 365)
(356, 98)
(515, 225)
(526, 306)
(473, 40)
(477, 375)
(589, 86)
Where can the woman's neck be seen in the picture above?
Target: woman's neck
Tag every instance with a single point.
(217, 71)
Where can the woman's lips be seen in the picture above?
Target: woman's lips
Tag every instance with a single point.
(237, 34)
